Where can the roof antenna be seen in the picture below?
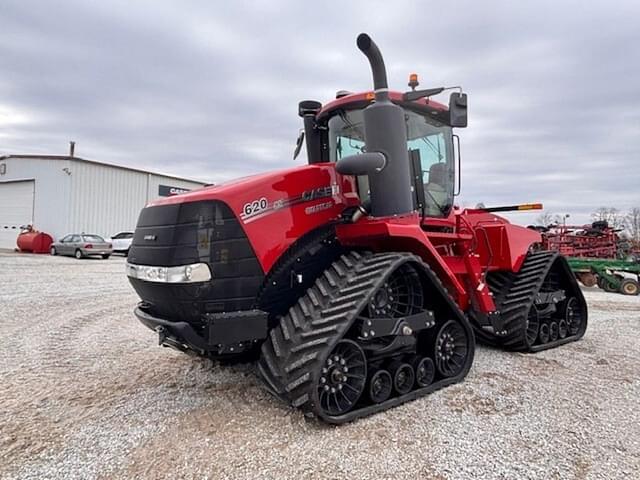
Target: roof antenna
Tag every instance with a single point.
(72, 148)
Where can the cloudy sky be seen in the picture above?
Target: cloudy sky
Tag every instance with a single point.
(209, 90)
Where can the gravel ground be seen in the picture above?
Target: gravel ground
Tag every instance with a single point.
(87, 393)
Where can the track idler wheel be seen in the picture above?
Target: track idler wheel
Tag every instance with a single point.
(403, 377)
(343, 378)
(380, 386)
(562, 329)
(553, 331)
(425, 371)
(451, 348)
(544, 333)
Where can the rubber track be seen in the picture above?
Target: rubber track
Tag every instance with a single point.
(514, 295)
(296, 349)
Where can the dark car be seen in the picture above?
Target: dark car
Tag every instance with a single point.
(81, 245)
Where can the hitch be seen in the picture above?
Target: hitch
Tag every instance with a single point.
(166, 340)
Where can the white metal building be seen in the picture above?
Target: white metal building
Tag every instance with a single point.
(63, 194)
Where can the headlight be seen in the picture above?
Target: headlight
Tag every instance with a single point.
(196, 272)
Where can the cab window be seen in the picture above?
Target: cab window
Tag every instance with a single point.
(430, 138)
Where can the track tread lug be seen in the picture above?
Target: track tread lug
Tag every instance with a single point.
(275, 343)
(284, 329)
(301, 362)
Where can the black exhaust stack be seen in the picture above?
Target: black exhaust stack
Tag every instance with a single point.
(387, 159)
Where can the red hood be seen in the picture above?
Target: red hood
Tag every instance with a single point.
(229, 188)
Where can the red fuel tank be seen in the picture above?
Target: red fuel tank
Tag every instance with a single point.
(34, 242)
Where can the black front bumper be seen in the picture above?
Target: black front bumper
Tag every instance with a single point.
(217, 334)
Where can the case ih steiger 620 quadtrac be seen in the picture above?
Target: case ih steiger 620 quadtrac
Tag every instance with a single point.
(353, 280)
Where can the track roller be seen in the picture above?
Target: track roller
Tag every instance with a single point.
(544, 333)
(553, 331)
(425, 371)
(380, 386)
(403, 377)
(562, 329)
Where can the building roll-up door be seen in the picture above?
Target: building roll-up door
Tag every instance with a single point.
(16, 209)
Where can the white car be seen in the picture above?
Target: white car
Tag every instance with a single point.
(121, 242)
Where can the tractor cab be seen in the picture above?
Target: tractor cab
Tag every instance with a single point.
(337, 131)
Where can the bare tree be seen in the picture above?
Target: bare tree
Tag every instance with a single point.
(609, 214)
(633, 223)
(545, 219)
(561, 219)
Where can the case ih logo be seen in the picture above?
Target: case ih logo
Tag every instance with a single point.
(322, 192)
(168, 191)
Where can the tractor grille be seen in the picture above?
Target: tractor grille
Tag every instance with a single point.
(186, 233)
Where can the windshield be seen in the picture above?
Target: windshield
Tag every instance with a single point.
(431, 139)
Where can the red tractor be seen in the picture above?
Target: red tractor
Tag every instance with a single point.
(353, 280)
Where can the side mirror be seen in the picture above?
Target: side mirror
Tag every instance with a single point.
(458, 109)
(299, 141)
(309, 107)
